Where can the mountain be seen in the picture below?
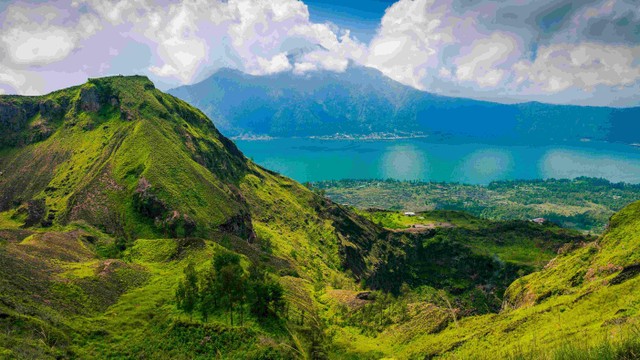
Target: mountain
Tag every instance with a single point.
(363, 101)
(88, 175)
(131, 228)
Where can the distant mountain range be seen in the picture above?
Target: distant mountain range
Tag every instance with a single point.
(363, 101)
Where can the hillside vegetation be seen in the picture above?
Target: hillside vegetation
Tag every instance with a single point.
(586, 297)
(131, 228)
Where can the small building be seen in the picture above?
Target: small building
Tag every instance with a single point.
(410, 213)
(539, 220)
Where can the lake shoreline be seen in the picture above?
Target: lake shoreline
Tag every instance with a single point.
(411, 136)
(440, 159)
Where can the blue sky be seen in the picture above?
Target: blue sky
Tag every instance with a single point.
(360, 16)
(584, 52)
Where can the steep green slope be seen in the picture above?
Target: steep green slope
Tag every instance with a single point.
(471, 258)
(120, 162)
(122, 156)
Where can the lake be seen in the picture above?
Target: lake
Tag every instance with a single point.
(447, 160)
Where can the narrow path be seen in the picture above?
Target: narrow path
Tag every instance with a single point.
(419, 228)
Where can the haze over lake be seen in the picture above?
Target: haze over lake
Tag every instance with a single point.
(443, 161)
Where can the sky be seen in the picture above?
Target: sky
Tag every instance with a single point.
(361, 17)
(584, 52)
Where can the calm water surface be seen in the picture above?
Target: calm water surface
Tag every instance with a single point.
(449, 161)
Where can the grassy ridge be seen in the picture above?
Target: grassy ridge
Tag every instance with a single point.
(92, 163)
(93, 307)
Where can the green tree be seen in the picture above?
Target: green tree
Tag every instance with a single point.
(226, 285)
(209, 293)
(232, 282)
(266, 298)
(187, 294)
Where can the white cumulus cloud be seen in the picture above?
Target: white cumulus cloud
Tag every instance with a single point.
(482, 63)
(504, 50)
(585, 66)
(276, 64)
(182, 40)
(36, 47)
(39, 36)
(512, 49)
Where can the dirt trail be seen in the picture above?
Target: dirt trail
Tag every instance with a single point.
(418, 228)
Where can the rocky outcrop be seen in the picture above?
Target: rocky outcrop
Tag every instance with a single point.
(179, 225)
(97, 95)
(357, 238)
(172, 222)
(146, 202)
(241, 226)
(627, 273)
(19, 123)
(13, 117)
(51, 110)
(89, 99)
(126, 114)
(365, 295)
(36, 210)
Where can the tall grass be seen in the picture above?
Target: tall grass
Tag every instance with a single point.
(626, 347)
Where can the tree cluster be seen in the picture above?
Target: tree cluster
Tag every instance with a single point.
(226, 286)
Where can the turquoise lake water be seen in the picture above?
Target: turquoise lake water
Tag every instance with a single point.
(443, 161)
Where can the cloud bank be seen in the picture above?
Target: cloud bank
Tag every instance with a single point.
(581, 52)
(559, 51)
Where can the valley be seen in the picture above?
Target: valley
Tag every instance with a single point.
(583, 203)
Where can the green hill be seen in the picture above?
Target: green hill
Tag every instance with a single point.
(122, 156)
(93, 170)
(130, 228)
(582, 305)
